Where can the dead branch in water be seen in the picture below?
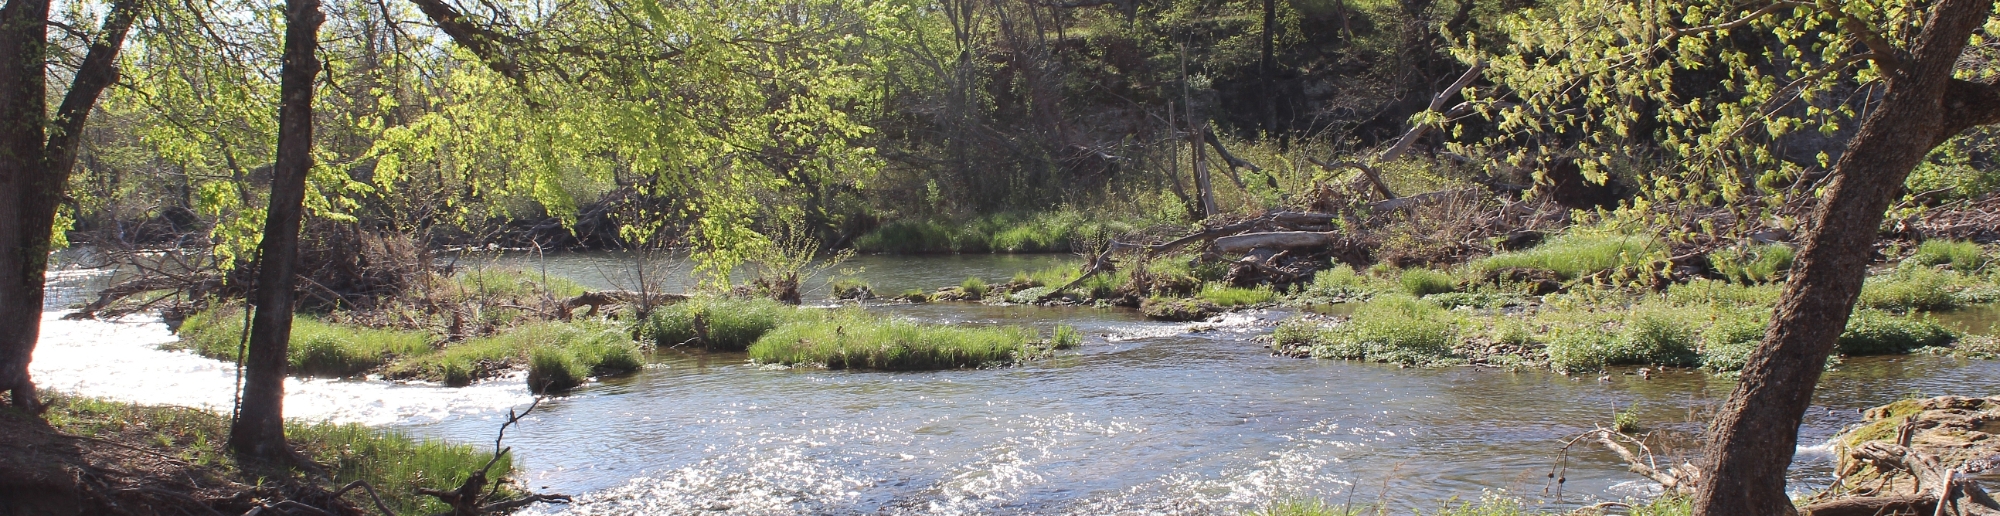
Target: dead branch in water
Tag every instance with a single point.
(469, 500)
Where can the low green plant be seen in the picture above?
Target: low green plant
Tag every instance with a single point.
(492, 282)
(1910, 289)
(1066, 337)
(1424, 282)
(1726, 345)
(850, 288)
(1702, 292)
(1754, 264)
(1236, 296)
(1474, 299)
(1959, 255)
(1177, 309)
(1392, 329)
(1573, 256)
(974, 287)
(1343, 283)
(716, 323)
(1649, 337)
(1874, 332)
(316, 349)
(854, 340)
(1626, 421)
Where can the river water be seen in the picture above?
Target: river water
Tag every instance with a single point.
(1146, 418)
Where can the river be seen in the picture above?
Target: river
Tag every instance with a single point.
(1146, 418)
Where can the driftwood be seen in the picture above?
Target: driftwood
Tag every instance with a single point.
(470, 499)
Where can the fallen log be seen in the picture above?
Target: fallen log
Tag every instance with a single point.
(1922, 505)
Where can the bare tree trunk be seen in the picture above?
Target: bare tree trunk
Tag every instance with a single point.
(1752, 440)
(1266, 67)
(1201, 177)
(23, 108)
(259, 429)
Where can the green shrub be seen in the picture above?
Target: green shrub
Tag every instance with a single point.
(1424, 282)
(1626, 421)
(1572, 256)
(1752, 265)
(1473, 299)
(908, 237)
(1873, 332)
(974, 287)
(1961, 256)
(715, 323)
(853, 340)
(1236, 296)
(1392, 329)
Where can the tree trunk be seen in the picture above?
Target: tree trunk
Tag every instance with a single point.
(1752, 440)
(23, 108)
(1266, 67)
(259, 429)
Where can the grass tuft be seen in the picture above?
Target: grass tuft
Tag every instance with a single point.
(714, 323)
(1391, 329)
(1961, 256)
(1236, 296)
(856, 340)
(317, 349)
(1573, 256)
(1424, 282)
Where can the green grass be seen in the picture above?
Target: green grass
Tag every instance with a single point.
(1343, 283)
(1053, 231)
(1390, 329)
(849, 288)
(395, 463)
(1726, 345)
(1236, 296)
(1648, 337)
(974, 287)
(317, 348)
(1573, 256)
(1066, 337)
(1909, 289)
(1424, 282)
(1753, 265)
(583, 349)
(1177, 309)
(855, 340)
(514, 284)
(715, 323)
(1961, 256)
(1873, 332)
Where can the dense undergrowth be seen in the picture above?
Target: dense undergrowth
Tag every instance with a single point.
(396, 464)
(1055, 231)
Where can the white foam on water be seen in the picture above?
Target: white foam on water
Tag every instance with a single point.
(121, 360)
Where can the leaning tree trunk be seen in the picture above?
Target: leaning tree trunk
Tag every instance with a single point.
(1751, 443)
(259, 429)
(23, 112)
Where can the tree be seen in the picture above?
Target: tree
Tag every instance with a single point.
(36, 155)
(259, 429)
(1709, 88)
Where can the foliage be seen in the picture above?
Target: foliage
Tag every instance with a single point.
(1177, 309)
(973, 287)
(317, 348)
(855, 340)
(1753, 265)
(715, 323)
(1424, 282)
(1065, 337)
(1236, 296)
(1392, 329)
(1910, 289)
(1575, 255)
(1964, 257)
(1872, 332)
(1342, 283)
(1647, 337)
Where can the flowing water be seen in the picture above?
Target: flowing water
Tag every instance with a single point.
(1146, 418)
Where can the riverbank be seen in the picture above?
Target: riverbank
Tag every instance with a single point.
(89, 455)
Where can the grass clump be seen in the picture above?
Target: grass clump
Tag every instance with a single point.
(564, 356)
(1727, 344)
(1177, 309)
(1873, 332)
(1424, 282)
(1753, 265)
(1066, 337)
(395, 463)
(974, 288)
(1343, 283)
(513, 284)
(1959, 255)
(1647, 338)
(1236, 296)
(1573, 256)
(715, 323)
(1391, 329)
(853, 340)
(1910, 289)
(317, 349)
